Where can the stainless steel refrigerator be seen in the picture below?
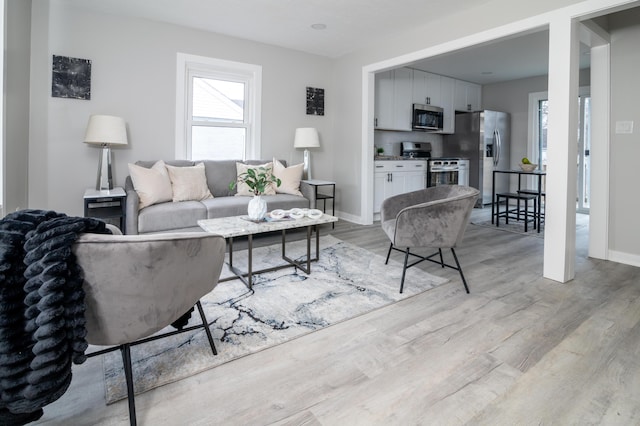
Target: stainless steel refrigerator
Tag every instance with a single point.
(484, 138)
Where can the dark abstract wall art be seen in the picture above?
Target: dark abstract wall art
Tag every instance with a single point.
(71, 78)
(315, 101)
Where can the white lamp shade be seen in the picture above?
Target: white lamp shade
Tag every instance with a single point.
(106, 129)
(306, 137)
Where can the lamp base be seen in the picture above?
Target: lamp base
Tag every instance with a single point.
(306, 168)
(104, 181)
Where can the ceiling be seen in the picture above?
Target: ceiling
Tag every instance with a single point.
(349, 25)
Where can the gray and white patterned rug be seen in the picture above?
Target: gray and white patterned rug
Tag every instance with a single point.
(346, 282)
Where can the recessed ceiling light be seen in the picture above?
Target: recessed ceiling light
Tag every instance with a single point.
(318, 26)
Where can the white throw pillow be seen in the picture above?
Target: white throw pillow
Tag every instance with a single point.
(243, 188)
(189, 183)
(152, 184)
(290, 177)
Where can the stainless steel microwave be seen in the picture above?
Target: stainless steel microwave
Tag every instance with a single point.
(427, 118)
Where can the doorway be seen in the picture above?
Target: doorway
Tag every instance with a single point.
(538, 153)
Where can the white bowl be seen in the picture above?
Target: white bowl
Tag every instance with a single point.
(528, 167)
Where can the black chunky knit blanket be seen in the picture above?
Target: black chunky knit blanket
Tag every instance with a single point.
(42, 325)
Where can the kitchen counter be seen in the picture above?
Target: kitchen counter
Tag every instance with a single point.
(396, 158)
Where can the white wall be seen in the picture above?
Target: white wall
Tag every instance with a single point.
(16, 98)
(134, 76)
(624, 231)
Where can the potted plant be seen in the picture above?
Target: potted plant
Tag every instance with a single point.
(257, 179)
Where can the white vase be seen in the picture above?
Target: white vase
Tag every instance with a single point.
(257, 208)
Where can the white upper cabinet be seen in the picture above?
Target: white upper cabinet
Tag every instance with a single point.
(393, 99)
(468, 96)
(397, 90)
(426, 88)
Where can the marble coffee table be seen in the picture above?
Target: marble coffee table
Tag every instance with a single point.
(241, 226)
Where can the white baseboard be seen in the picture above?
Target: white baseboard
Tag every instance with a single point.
(349, 217)
(626, 258)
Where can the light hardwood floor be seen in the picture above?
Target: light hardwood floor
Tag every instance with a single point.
(518, 350)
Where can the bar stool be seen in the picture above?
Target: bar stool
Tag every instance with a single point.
(515, 213)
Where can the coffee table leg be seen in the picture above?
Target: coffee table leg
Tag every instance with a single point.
(250, 262)
(309, 248)
(231, 252)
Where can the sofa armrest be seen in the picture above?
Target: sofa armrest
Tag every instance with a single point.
(131, 207)
(309, 192)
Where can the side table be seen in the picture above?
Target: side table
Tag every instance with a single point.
(108, 205)
(324, 196)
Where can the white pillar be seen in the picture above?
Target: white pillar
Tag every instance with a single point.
(562, 137)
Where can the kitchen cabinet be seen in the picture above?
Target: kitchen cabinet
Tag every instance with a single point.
(394, 99)
(397, 177)
(426, 88)
(467, 96)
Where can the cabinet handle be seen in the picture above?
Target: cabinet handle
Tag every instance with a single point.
(379, 167)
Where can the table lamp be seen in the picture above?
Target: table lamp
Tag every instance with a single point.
(105, 130)
(306, 137)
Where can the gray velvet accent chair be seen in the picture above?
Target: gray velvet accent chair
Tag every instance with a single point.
(431, 218)
(136, 285)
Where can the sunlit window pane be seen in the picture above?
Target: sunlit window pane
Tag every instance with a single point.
(218, 100)
(217, 143)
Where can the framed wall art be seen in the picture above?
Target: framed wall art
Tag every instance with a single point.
(315, 101)
(71, 78)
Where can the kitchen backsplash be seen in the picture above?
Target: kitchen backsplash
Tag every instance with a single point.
(390, 141)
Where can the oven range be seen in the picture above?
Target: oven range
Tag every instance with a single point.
(448, 171)
(441, 171)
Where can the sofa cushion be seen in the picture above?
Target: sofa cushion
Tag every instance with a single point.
(290, 178)
(170, 216)
(152, 184)
(189, 183)
(243, 188)
(237, 206)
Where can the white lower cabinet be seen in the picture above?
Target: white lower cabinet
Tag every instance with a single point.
(397, 177)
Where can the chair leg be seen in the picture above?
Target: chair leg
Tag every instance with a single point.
(388, 253)
(205, 324)
(128, 374)
(441, 259)
(460, 270)
(404, 269)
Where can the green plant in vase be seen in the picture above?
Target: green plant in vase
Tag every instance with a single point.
(257, 179)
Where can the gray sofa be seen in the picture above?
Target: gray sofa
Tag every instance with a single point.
(183, 216)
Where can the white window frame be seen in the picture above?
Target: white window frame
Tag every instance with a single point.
(189, 66)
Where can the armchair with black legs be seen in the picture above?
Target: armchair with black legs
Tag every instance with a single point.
(431, 218)
(136, 285)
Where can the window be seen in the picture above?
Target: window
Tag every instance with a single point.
(217, 115)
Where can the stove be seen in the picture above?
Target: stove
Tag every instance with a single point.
(410, 150)
(448, 171)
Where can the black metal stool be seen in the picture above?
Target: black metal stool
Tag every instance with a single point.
(515, 213)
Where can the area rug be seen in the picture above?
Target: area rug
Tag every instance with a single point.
(346, 282)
